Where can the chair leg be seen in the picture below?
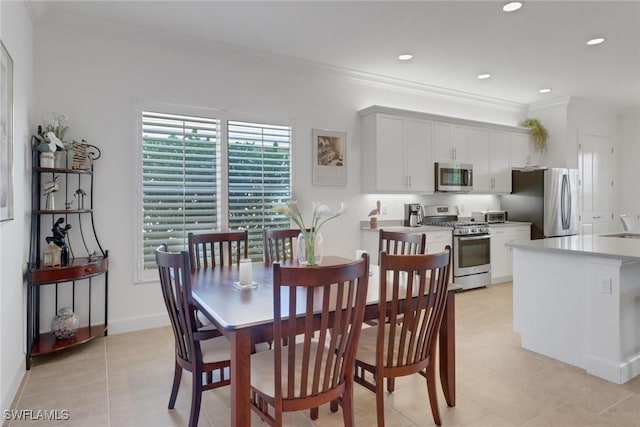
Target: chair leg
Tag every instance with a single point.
(196, 398)
(348, 413)
(334, 405)
(380, 400)
(391, 384)
(433, 397)
(314, 413)
(177, 376)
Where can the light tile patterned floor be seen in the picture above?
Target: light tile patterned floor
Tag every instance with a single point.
(124, 380)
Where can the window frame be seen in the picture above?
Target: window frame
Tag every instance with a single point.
(142, 275)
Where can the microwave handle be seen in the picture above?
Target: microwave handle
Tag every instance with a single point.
(466, 177)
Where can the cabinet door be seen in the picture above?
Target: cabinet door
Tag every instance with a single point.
(478, 152)
(437, 241)
(460, 143)
(419, 163)
(521, 155)
(442, 143)
(390, 174)
(500, 255)
(499, 167)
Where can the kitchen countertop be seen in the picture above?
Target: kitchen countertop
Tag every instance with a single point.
(420, 229)
(508, 224)
(603, 245)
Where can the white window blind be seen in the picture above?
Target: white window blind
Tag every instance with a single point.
(180, 173)
(259, 159)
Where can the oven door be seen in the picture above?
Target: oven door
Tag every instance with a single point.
(471, 255)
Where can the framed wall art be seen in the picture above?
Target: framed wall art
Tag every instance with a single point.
(329, 157)
(6, 134)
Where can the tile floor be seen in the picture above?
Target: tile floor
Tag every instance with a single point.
(124, 380)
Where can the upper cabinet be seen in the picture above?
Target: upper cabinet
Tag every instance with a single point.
(490, 150)
(396, 154)
(451, 143)
(399, 149)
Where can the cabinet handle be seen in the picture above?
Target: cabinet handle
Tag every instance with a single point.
(409, 180)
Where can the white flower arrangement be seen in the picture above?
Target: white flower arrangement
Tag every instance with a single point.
(51, 134)
(322, 213)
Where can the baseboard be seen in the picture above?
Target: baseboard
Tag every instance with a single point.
(12, 391)
(138, 323)
(616, 373)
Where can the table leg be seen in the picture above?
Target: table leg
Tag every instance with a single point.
(240, 341)
(447, 346)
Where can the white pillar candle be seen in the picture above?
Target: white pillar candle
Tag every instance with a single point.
(245, 271)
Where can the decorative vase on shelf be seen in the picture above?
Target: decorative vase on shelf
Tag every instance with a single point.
(309, 248)
(65, 324)
(47, 159)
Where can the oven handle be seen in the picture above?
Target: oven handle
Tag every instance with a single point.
(484, 236)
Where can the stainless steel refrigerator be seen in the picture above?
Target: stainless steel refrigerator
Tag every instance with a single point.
(546, 197)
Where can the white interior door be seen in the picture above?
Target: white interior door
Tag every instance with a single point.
(595, 163)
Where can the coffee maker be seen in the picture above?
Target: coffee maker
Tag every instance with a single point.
(412, 214)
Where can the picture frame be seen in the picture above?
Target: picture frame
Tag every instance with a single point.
(6, 134)
(329, 157)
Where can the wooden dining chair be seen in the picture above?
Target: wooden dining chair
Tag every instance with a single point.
(218, 248)
(310, 372)
(406, 343)
(204, 353)
(401, 243)
(279, 244)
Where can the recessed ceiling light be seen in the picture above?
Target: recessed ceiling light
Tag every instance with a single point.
(511, 7)
(595, 41)
(545, 90)
(405, 57)
(484, 76)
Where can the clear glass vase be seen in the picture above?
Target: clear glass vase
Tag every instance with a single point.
(309, 248)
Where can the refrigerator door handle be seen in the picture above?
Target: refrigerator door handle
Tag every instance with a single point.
(569, 203)
(563, 197)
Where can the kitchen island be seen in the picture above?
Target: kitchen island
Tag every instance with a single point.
(577, 299)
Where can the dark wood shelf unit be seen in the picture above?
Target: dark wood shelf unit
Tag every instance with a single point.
(86, 275)
(48, 343)
(61, 211)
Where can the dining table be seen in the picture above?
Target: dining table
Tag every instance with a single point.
(243, 314)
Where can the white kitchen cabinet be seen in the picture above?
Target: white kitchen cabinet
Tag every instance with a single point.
(437, 241)
(396, 154)
(489, 150)
(521, 152)
(451, 143)
(501, 255)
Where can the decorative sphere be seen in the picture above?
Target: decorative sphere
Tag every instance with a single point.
(65, 324)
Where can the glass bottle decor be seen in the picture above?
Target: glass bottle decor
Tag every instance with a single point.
(65, 324)
(309, 248)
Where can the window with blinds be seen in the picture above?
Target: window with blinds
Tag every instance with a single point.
(184, 189)
(259, 178)
(180, 179)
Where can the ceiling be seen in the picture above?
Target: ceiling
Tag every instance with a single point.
(542, 45)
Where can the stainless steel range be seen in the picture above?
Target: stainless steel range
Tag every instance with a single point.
(471, 245)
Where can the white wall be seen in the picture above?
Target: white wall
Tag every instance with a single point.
(628, 157)
(16, 34)
(103, 73)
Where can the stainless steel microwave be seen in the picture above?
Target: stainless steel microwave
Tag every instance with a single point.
(454, 177)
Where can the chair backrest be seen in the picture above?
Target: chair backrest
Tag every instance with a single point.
(175, 280)
(218, 248)
(400, 243)
(408, 337)
(630, 223)
(319, 365)
(279, 244)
